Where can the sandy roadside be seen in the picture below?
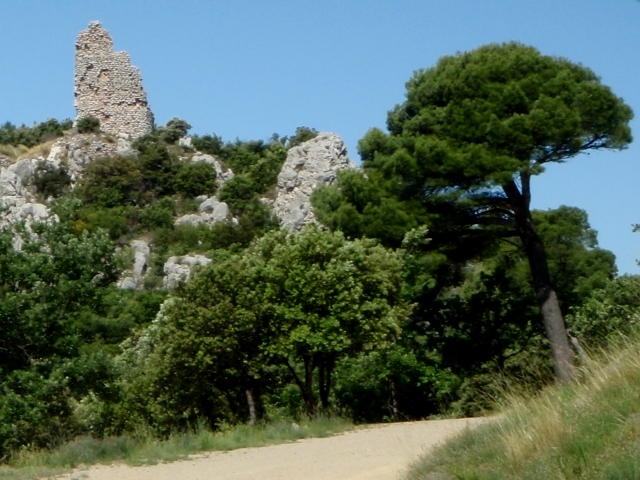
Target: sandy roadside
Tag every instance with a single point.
(380, 452)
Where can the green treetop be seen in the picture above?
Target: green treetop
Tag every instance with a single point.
(461, 151)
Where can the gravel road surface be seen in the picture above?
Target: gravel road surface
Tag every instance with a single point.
(379, 452)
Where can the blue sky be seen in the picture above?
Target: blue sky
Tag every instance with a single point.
(247, 69)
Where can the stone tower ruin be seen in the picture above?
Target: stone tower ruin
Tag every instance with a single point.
(108, 87)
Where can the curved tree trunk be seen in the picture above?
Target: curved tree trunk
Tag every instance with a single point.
(563, 362)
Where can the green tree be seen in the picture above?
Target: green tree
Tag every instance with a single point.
(46, 287)
(473, 130)
(296, 301)
(175, 129)
(193, 179)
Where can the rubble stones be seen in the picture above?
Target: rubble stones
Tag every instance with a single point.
(179, 269)
(308, 166)
(108, 87)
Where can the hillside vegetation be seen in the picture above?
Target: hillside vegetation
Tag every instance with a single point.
(585, 430)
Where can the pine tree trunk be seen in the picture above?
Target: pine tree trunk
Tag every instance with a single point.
(563, 362)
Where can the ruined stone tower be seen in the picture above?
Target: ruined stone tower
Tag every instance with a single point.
(108, 87)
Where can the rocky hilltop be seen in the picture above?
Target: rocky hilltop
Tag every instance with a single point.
(109, 89)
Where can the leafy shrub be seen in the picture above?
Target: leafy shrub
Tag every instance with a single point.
(608, 312)
(51, 181)
(211, 144)
(391, 384)
(32, 136)
(88, 124)
(156, 166)
(115, 221)
(111, 182)
(193, 179)
(175, 129)
(239, 192)
(302, 135)
(34, 411)
(157, 215)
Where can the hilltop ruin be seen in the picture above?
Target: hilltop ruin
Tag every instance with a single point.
(108, 87)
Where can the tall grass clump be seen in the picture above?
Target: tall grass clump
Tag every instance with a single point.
(588, 429)
(146, 448)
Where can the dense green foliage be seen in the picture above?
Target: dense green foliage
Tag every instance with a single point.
(31, 136)
(460, 154)
(291, 305)
(88, 125)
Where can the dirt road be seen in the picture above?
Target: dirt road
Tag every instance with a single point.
(381, 452)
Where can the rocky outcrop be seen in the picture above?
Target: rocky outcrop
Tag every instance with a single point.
(77, 151)
(16, 201)
(132, 279)
(108, 87)
(179, 269)
(210, 211)
(308, 166)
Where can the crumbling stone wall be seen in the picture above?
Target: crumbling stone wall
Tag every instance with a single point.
(108, 87)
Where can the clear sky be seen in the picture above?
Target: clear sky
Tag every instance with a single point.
(250, 68)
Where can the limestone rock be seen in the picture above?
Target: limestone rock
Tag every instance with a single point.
(108, 87)
(79, 150)
(185, 142)
(17, 202)
(127, 283)
(308, 166)
(179, 269)
(133, 278)
(210, 211)
(141, 253)
(10, 183)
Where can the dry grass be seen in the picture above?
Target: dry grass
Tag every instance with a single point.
(41, 150)
(13, 152)
(145, 448)
(585, 430)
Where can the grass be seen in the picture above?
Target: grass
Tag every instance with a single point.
(149, 450)
(21, 152)
(589, 429)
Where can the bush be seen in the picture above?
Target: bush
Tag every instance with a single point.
(391, 384)
(34, 411)
(608, 312)
(88, 125)
(193, 179)
(156, 166)
(111, 182)
(51, 181)
(157, 215)
(211, 144)
(302, 135)
(176, 128)
(238, 192)
(32, 136)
